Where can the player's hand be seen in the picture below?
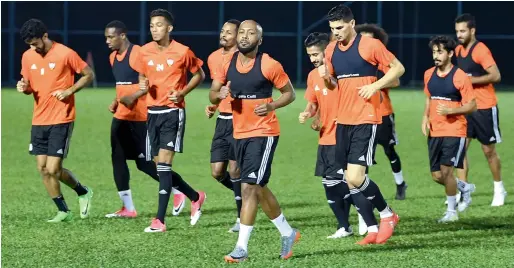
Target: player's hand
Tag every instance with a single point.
(367, 91)
(425, 126)
(22, 85)
(316, 124)
(263, 109)
(61, 94)
(210, 110)
(224, 91)
(176, 96)
(323, 70)
(303, 117)
(443, 109)
(128, 101)
(113, 106)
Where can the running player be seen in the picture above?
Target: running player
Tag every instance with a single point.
(165, 63)
(48, 73)
(322, 105)
(129, 140)
(250, 77)
(474, 58)
(354, 61)
(386, 132)
(222, 147)
(449, 96)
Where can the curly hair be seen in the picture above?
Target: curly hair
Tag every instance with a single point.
(31, 29)
(377, 31)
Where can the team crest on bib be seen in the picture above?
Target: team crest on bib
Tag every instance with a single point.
(51, 65)
(170, 62)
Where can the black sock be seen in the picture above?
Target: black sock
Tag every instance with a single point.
(370, 190)
(182, 186)
(120, 172)
(364, 207)
(237, 195)
(61, 204)
(147, 167)
(225, 180)
(165, 182)
(335, 197)
(80, 190)
(394, 158)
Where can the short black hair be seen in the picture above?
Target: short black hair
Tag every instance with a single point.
(377, 31)
(317, 39)
(468, 18)
(448, 43)
(118, 25)
(31, 29)
(340, 12)
(235, 22)
(163, 13)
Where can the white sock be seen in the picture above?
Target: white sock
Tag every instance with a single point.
(398, 177)
(175, 191)
(498, 187)
(386, 213)
(244, 236)
(126, 197)
(452, 201)
(238, 220)
(283, 227)
(373, 229)
(462, 185)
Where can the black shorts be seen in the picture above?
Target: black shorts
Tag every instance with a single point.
(166, 127)
(447, 151)
(222, 147)
(356, 144)
(386, 132)
(51, 140)
(326, 164)
(129, 140)
(254, 157)
(484, 125)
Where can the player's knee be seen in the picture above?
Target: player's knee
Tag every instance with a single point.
(165, 156)
(42, 170)
(250, 190)
(489, 151)
(437, 177)
(54, 171)
(217, 173)
(234, 172)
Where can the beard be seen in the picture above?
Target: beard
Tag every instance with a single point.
(246, 50)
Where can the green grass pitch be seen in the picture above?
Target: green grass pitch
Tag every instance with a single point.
(482, 238)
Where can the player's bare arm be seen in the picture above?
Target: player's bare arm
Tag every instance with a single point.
(310, 111)
(129, 100)
(395, 83)
(87, 76)
(467, 108)
(288, 96)
(316, 122)
(218, 92)
(390, 77)
(493, 76)
(425, 123)
(198, 77)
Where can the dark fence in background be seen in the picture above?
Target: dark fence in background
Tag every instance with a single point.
(409, 24)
